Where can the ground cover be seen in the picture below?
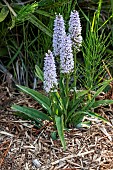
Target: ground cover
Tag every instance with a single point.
(23, 146)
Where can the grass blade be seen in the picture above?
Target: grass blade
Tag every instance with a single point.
(16, 54)
(35, 21)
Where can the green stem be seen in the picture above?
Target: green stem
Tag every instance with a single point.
(52, 105)
(67, 85)
(66, 97)
(74, 68)
(74, 74)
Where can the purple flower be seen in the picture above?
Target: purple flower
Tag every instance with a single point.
(59, 32)
(75, 30)
(66, 55)
(50, 77)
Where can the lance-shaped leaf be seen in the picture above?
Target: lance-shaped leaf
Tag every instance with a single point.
(60, 129)
(3, 14)
(101, 103)
(92, 114)
(31, 113)
(40, 98)
(92, 101)
(39, 73)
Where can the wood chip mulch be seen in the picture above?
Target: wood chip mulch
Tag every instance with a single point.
(24, 147)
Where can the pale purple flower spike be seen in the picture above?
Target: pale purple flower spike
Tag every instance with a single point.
(59, 33)
(66, 55)
(75, 30)
(50, 77)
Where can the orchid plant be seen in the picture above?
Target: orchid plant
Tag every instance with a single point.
(64, 105)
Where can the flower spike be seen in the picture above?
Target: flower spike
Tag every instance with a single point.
(75, 30)
(50, 77)
(66, 55)
(59, 33)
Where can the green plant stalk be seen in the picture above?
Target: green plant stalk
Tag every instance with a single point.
(99, 10)
(112, 19)
(67, 96)
(52, 105)
(89, 96)
(74, 74)
(67, 85)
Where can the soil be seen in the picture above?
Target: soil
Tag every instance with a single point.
(25, 147)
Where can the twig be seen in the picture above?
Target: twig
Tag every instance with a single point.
(5, 154)
(4, 143)
(72, 156)
(6, 133)
(10, 8)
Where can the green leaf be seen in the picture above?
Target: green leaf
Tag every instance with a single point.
(1, 5)
(25, 11)
(85, 16)
(13, 19)
(39, 73)
(31, 113)
(27, 117)
(92, 101)
(78, 103)
(3, 51)
(77, 118)
(60, 129)
(35, 21)
(51, 4)
(101, 103)
(62, 85)
(3, 14)
(16, 55)
(41, 99)
(81, 93)
(44, 13)
(85, 124)
(92, 114)
(58, 100)
(54, 135)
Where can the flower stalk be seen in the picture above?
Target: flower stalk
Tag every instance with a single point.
(74, 75)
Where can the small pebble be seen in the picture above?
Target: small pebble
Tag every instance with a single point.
(36, 163)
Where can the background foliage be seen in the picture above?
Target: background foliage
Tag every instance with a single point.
(26, 32)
